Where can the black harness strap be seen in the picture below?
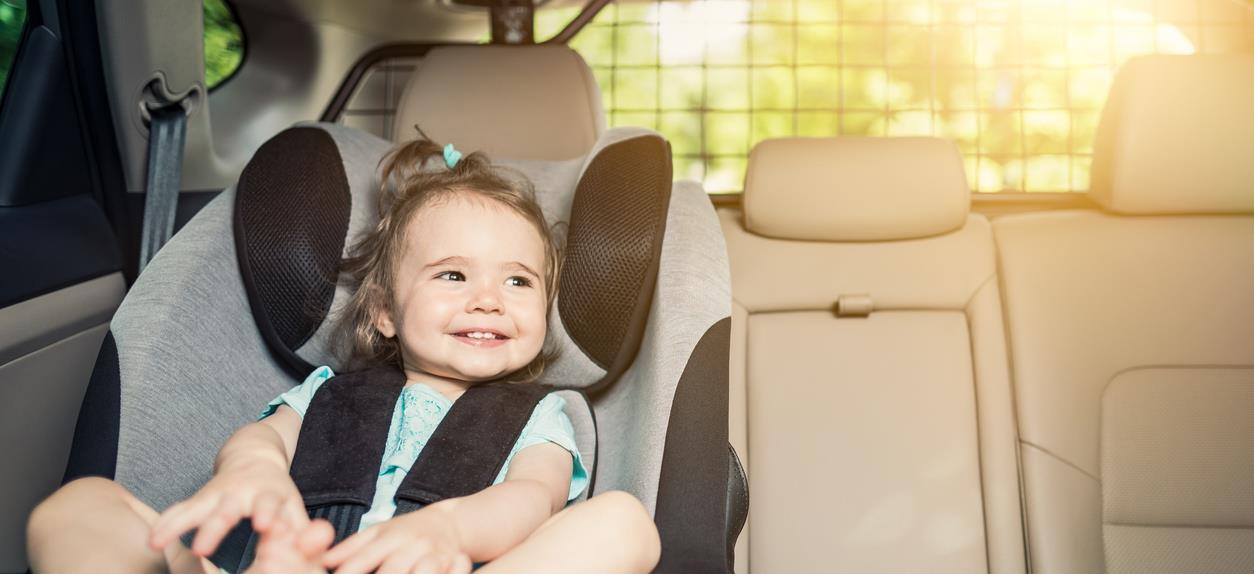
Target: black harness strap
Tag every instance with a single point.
(343, 436)
(469, 447)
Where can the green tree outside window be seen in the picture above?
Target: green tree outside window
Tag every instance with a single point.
(12, 16)
(224, 42)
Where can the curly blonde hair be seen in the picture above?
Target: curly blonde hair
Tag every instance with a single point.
(405, 188)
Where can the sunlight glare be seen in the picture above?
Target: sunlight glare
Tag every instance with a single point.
(683, 27)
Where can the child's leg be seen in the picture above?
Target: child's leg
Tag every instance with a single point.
(610, 533)
(95, 525)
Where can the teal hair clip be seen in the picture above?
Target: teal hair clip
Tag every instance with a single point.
(451, 156)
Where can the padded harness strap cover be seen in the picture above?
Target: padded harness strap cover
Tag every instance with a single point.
(345, 431)
(469, 447)
(343, 436)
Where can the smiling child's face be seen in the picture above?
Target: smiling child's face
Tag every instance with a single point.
(468, 298)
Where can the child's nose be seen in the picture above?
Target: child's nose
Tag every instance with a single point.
(485, 299)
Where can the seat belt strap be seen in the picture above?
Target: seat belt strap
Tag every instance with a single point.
(166, 137)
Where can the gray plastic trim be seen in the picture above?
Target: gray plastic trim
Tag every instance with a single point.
(36, 323)
(40, 395)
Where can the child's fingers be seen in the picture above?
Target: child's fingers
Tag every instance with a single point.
(279, 531)
(277, 542)
(213, 529)
(265, 510)
(460, 564)
(370, 557)
(157, 535)
(315, 539)
(430, 564)
(294, 512)
(180, 518)
(278, 556)
(404, 560)
(342, 551)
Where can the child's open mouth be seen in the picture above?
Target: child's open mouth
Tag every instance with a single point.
(481, 338)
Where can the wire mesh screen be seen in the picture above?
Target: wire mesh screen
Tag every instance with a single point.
(372, 107)
(1017, 84)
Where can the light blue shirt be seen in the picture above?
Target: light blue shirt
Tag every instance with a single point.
(418, 411)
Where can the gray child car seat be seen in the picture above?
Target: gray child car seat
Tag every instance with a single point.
(236, 308)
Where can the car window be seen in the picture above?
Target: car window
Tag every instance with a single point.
(224, 42)
(12, 17)
(1018, 84)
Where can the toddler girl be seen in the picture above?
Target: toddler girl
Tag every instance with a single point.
(452, 289)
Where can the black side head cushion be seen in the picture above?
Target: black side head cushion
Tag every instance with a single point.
(617, 221)
(292, 207)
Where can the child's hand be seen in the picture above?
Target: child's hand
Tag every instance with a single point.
(285, 551)
(258, 489)
(423, 542)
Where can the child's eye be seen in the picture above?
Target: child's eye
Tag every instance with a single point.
(451, 276)
(517, 281)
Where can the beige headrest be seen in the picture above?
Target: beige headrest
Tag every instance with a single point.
(855, 188)
(1177, 136)
(514, 102)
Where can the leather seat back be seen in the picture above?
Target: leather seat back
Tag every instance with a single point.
(1132, 334)
(869, 379)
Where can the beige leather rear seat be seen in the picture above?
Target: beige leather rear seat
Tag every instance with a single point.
(1132, 334)
(870, 392)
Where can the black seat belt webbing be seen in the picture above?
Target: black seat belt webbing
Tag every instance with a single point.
(166, 137)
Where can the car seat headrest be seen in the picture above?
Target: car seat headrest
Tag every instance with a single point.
(522, 102)
(309, 194)
(1175, 137)
(855, 188)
